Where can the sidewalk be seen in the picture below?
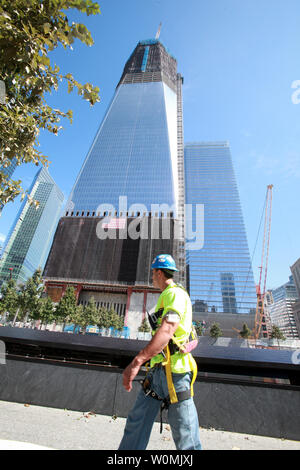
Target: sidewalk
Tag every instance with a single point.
(36, 427)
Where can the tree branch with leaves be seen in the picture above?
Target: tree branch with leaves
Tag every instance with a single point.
(29, 31)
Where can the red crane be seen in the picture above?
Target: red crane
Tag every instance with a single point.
(261, 317)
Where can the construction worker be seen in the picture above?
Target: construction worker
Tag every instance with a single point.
(169, 380)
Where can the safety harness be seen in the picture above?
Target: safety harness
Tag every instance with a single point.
(185, 395)
(172, 348)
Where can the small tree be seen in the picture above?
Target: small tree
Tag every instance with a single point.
(199, 328)
(76, 316)
(90, 315)
(144, 327)
(121, 323)
(47, 311)
(215, 331)
(22, 302)
(104, 320)
(276, 333)
(116, 321)
(245, 333)
(66, 306)
(30, 298)
(9, 301)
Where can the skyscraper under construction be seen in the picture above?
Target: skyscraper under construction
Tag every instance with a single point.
(127, 204)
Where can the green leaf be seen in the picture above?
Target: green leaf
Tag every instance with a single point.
(47, 27)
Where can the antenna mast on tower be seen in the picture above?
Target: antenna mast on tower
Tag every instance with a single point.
(158, 32)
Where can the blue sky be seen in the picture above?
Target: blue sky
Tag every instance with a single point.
(239, 60)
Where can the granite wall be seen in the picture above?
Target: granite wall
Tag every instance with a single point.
(264, 409)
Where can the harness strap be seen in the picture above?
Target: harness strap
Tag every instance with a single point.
(181, 396)
(193, 366)
(167, 364)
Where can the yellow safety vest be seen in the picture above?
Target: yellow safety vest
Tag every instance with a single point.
(175, 298)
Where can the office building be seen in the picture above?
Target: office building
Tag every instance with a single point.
(296, 313)
(29, 240)
(220, 271)
(281, 314)
(286, 291)
(295, 268)
(281, 310)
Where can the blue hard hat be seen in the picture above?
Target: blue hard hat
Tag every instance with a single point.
(164, 262)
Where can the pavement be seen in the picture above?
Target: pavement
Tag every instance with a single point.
(30, 427)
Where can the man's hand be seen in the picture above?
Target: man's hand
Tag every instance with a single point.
(155, 346)
(129, 374)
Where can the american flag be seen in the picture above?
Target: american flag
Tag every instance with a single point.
(115, 223)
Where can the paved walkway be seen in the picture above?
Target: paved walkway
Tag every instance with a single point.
(35, 427)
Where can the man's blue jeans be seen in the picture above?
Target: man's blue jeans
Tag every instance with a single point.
(182, 416)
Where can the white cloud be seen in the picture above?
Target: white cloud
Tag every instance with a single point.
(2, 237)
(288, 166)
(246, 133)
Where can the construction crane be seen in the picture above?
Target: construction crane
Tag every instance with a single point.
(260, 314)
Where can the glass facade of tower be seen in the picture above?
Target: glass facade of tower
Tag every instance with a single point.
(29, 239)
(134, 153)
(220, 273)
